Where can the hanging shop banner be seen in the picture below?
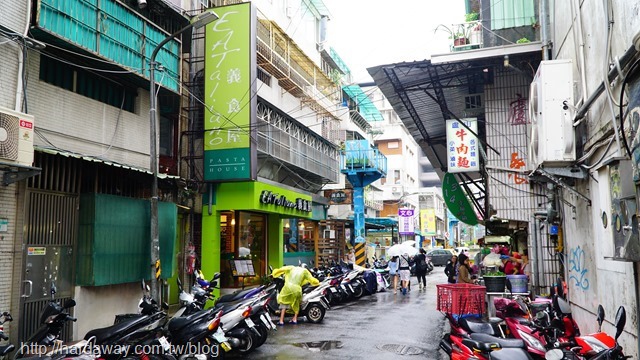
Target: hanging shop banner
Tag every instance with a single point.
(339, 197)
(463, 154)
(457, 201)
(428, 222)
(405, 222)
(230, 152)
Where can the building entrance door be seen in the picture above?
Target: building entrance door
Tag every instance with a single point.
(51, 226)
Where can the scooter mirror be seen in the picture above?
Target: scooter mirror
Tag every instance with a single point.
(165, 306)
(69, 304)
(600, 317)
(216, 276)
(621, 320)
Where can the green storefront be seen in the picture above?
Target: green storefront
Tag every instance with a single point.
(242, 229)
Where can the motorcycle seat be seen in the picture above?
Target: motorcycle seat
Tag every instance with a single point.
(479, 345)
(178, 323)
(102, 334)
(510, 354)
(473, 325)
(235, 296)
(504, 343)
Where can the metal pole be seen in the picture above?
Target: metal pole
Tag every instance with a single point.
(155, 238)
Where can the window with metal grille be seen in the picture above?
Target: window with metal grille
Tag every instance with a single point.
(87, 84)
(264, 77)
(473, 101)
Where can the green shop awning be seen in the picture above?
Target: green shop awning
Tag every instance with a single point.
(366, 108)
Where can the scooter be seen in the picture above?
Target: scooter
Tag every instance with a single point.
(482, 346)
(313, 305)
(130, 330)
(45, 342)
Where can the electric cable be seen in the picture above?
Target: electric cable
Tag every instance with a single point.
(622, 115)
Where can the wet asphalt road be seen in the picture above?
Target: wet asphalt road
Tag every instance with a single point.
(379, 326)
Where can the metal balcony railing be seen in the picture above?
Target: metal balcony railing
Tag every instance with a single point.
(279, 55)
(366, 160)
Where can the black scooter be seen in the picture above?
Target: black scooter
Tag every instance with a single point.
(130, 330)
(46, 340)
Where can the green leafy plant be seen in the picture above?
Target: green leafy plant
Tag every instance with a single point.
(523, 40)
(494, 273)
(472, 16)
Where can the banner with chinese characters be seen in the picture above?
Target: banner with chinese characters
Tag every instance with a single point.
(230, 154)
(428, 222)
(405, 222)
(463, 153)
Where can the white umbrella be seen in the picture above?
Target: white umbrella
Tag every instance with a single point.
(401, 249)
(409, 242)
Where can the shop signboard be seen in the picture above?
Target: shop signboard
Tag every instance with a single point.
(463, 152)
(405, 223)
(230, 152)
(457, 201)
(428, 221)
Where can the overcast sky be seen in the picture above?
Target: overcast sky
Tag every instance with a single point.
(367, 33)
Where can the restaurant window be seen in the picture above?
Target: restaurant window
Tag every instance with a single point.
(242, 237)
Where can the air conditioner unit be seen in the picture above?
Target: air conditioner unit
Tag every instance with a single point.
(16, 137)
(551, 129)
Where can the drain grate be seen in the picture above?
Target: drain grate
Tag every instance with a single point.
(401, 349)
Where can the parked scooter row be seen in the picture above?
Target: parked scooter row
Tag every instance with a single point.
(541, 329)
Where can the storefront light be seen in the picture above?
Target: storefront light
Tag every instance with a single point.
(233, 222)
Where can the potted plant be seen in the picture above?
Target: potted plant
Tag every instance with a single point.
(457, 32)
(495, 281)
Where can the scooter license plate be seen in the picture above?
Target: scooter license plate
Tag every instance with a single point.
(219, 337)
(225, 346)
(165, 344)
(267, 322)
(249, 322)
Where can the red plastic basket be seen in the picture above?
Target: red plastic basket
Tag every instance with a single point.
(461, 298)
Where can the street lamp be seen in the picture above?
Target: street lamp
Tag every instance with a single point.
(196, 22)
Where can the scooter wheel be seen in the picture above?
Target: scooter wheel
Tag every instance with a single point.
(315, 313)
(264, 334)
(249, 343)
(358, 292)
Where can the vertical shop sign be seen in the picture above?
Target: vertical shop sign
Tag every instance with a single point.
(405, 225)
(230, 95)
(428, 222)
(462, 146)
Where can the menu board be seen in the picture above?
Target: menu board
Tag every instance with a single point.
(242, 268)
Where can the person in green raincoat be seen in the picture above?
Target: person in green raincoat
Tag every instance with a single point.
(291, 294)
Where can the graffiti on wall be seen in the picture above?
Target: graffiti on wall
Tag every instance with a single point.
(518, 111)
(578, 272)
(517, 163)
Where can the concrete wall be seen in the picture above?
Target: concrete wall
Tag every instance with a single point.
(592, 277)
(97, 306)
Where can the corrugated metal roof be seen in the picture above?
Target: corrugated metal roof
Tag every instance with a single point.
(99, 160)
(366, 108)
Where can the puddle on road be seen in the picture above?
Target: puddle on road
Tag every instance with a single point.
(317, 346)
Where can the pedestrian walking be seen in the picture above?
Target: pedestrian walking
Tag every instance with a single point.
(451, 268)
(421, 268)
(404, 270)
(393, 273)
